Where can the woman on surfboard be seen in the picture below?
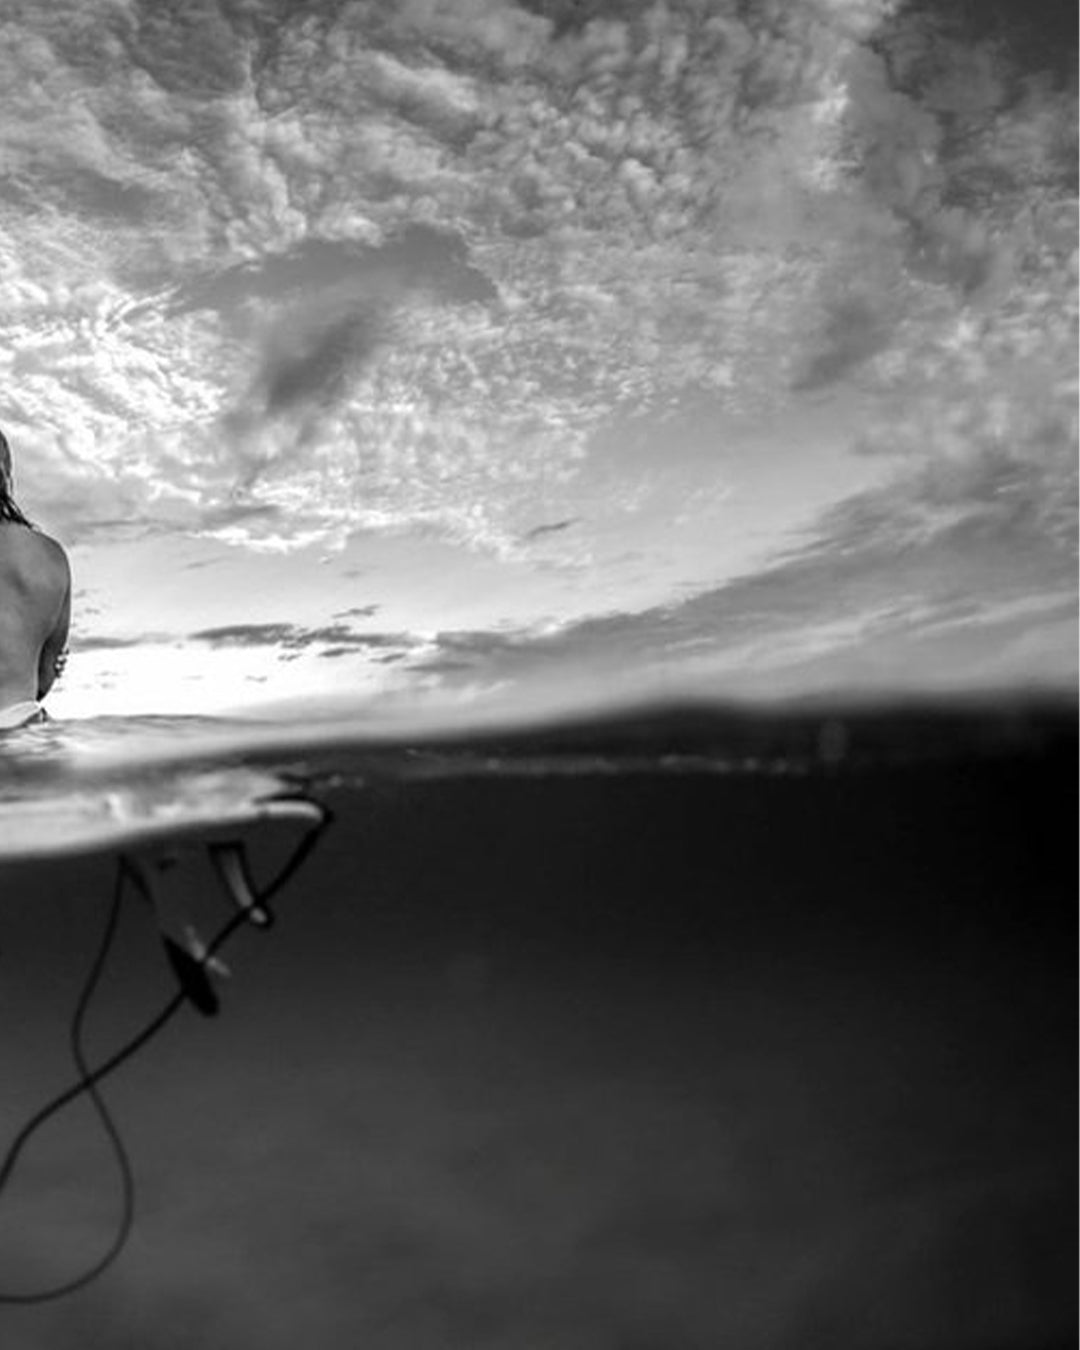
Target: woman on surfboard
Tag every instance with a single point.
(35, 608)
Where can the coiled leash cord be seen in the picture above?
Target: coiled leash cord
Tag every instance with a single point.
(254, 910)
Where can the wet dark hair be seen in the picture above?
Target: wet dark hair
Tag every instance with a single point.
(8, 509)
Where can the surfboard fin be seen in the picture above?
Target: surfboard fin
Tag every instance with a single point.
(189, 958)
(193, 974)
(230, 863)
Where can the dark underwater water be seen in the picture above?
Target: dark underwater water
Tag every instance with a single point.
(643, 1034)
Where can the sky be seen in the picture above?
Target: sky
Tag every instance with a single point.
(440, 350)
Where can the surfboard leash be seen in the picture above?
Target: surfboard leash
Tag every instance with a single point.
(252, 908)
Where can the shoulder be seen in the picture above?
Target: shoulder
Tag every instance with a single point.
(47, 554)
(50, 547)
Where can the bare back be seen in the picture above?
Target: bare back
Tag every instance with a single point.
(35, 602)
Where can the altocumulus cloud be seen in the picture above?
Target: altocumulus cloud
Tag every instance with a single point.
(274, 273)
(183, 144)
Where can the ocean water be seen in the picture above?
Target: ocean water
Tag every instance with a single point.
(677, 1027)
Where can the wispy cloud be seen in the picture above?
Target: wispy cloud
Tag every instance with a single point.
(247, 634)
(100, 642)
(893, 586)
(295, 637)
(555, 527)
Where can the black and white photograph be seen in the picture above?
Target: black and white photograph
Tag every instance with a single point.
(539, 674)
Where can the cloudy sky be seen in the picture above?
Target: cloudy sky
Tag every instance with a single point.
(450, 348)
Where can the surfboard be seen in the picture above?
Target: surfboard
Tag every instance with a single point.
(199, 808)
